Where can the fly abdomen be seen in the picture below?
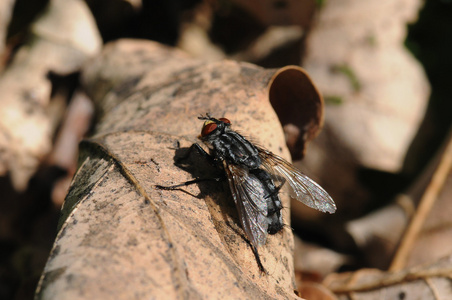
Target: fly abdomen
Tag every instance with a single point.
(275, 224)
(274, 205)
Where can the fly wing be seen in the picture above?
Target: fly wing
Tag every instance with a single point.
(249, 197)
(302, 187)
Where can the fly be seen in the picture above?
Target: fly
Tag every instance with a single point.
(255, 177)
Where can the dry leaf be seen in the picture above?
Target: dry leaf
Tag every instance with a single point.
(427, 236)
(272, 38)
(122, 238)
(427, 281)
(378, 234)
(63, 37)
(434, 239)
(315, 291)
(317, 261)
(424, 282)
(6, 11)
(356, 54)
(65, 150)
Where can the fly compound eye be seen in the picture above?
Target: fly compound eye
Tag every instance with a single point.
(208, 127)
(224, 120)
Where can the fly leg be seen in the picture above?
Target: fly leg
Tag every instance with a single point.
(258, 259)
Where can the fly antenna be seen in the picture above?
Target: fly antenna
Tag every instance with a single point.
(207, 117)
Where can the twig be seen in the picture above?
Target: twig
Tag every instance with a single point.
(423, 210)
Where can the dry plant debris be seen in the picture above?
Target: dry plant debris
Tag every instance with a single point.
(118, 234)
(357, 57)
(25, 121)
(376, 95)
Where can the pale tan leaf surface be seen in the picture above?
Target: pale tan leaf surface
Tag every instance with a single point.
(120, 237)
(375, 94)
(357, 56)
(62, 39)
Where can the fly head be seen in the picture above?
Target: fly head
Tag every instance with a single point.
(213, 128)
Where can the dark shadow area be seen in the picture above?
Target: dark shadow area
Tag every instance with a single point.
(28, 229)
(429, 39)
(213, 182)
(158, 20)
(191, 161)
(228, 28)
(213, 186)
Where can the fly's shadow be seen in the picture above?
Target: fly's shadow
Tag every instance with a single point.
(212, 182)
(207, 173)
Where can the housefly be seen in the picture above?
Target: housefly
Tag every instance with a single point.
(255, 177)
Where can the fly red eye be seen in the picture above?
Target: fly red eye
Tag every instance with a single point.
(224, 120)
(208, 128)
